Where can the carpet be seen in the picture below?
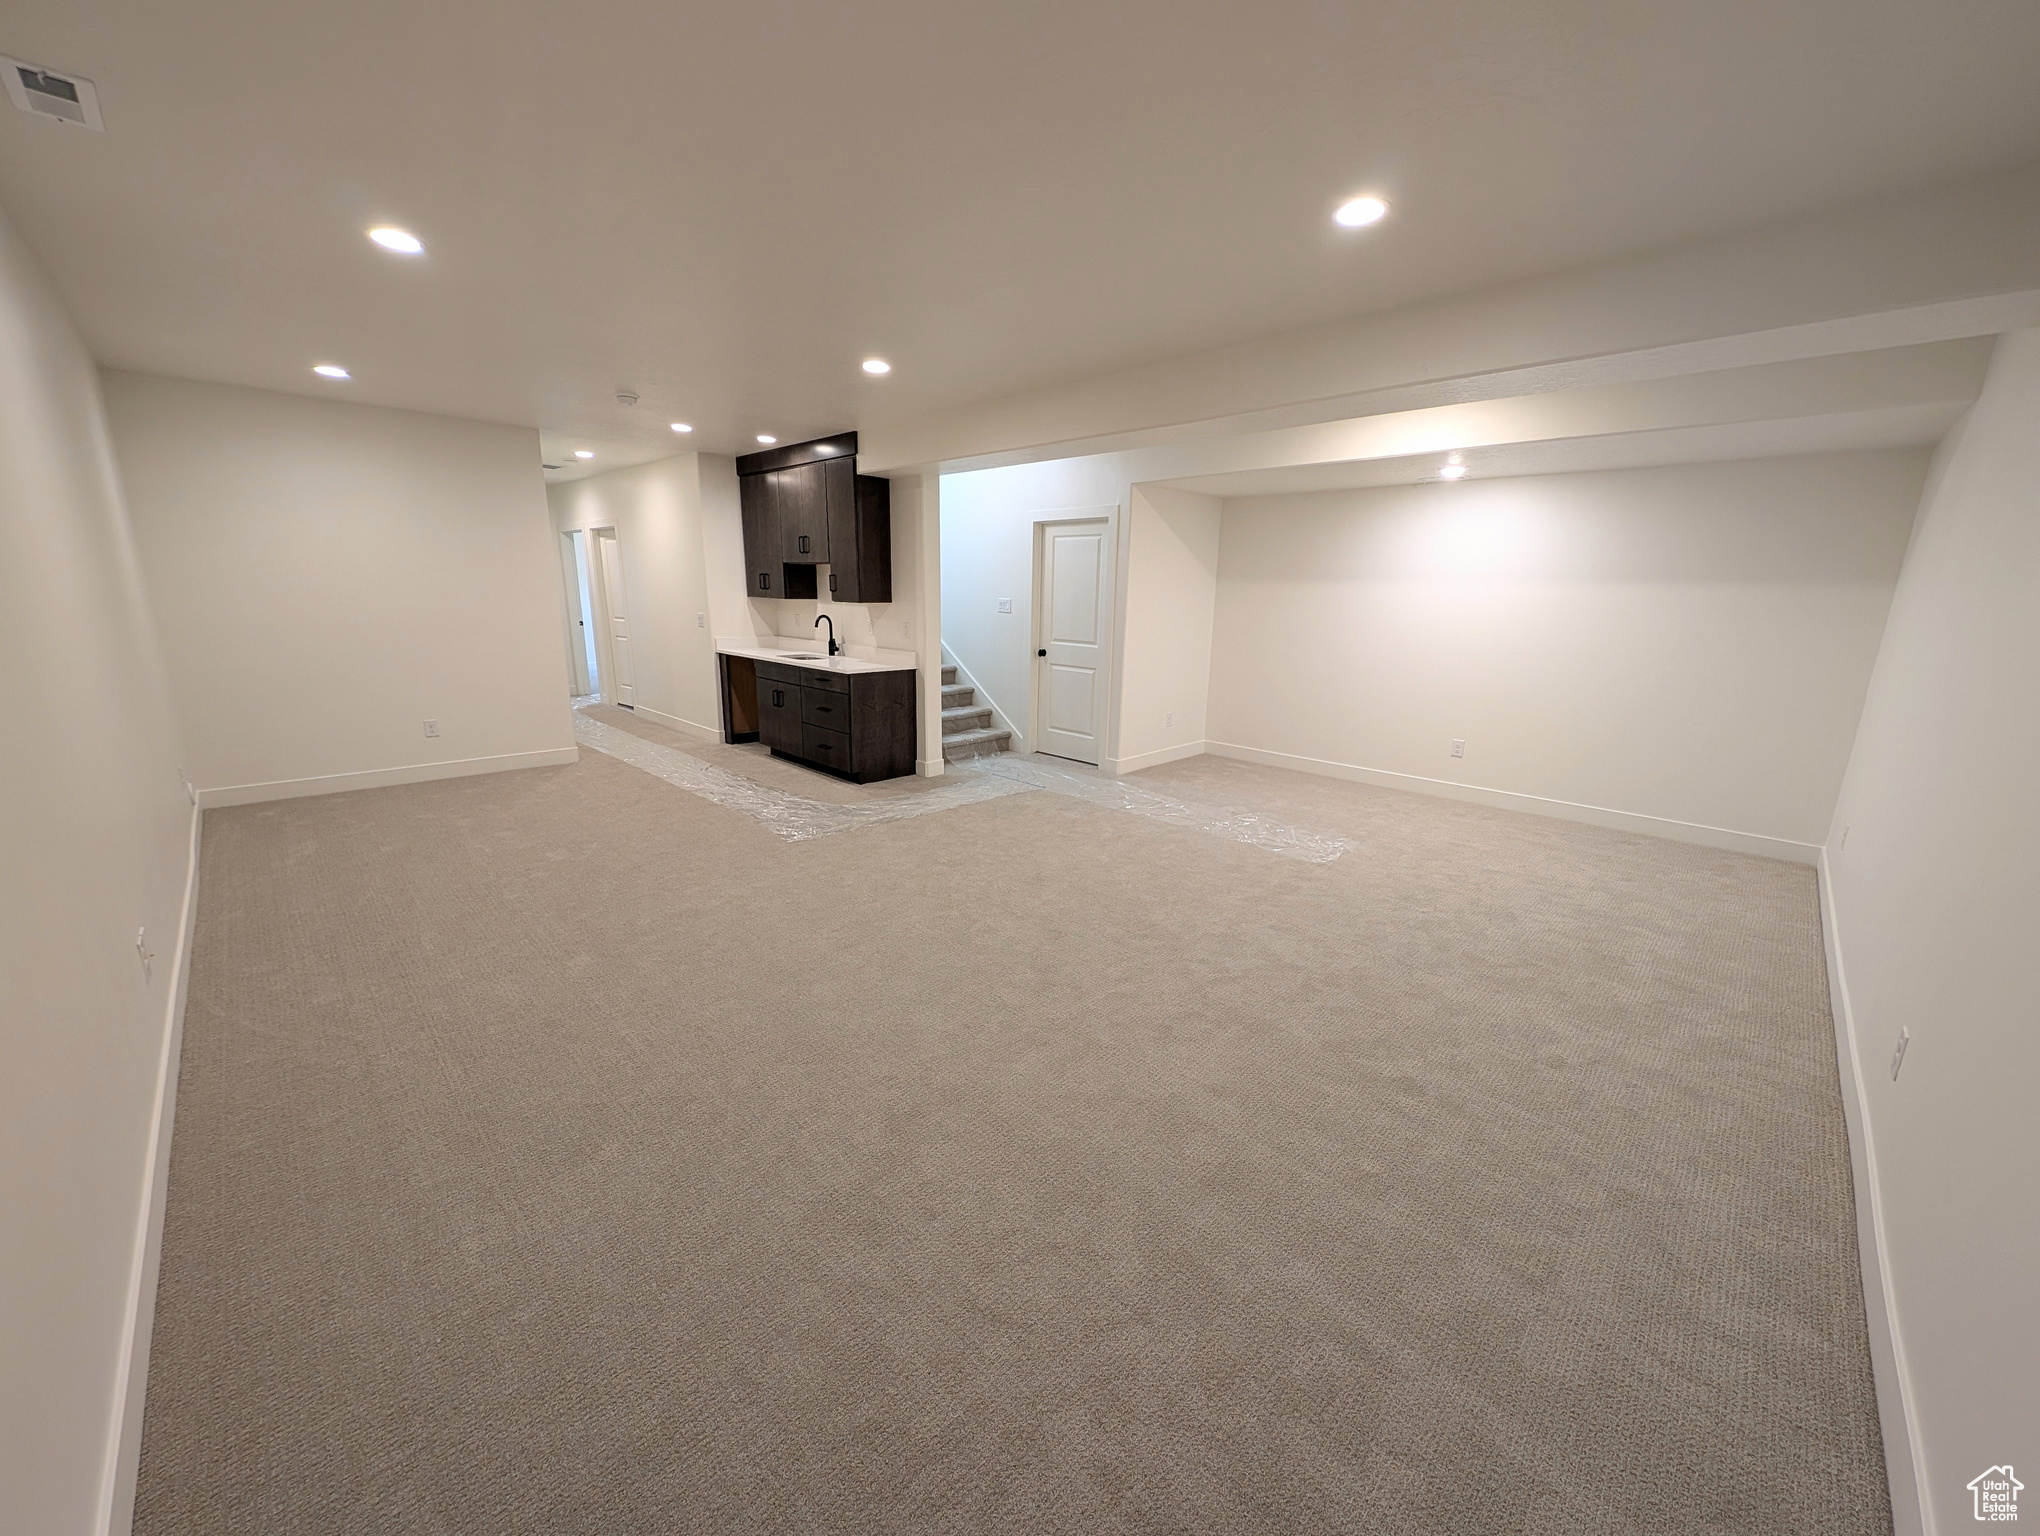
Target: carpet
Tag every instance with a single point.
(560, 1151)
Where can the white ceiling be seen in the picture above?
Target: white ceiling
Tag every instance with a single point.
(725, 206)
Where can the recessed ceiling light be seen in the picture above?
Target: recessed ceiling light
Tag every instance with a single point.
(681, 426)
(877, 365)
(402, 241)
(1359, 212)
(767, 438)
(1452, 472)
(584, 453)
(330, 371)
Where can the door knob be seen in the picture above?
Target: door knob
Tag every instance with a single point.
(1041, 653)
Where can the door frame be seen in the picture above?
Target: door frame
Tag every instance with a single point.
(598, 581)
(572, 552)
(1112, 599)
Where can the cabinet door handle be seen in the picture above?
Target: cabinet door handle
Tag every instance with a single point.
(778, 698)
(764, 582)
(803, 543)
(832, 581)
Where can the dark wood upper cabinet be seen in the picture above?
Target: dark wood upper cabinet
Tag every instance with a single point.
(761, 535)
(805, 506)
(801, 495)
(860, 536)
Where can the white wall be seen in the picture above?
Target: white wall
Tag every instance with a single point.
(1171, 593)
(1687, 647)
(657, 511)
(97, 838)
(1935, 902)
(327, 577)
(988, 519)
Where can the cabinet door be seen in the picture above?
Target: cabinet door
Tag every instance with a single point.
(839, 497)
(802, 501)
(761, 534)
(860, 538)
(779, 715)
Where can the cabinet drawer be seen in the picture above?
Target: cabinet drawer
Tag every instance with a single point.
(834, 682)
(831, 749)
(828, 711)
(779, 672)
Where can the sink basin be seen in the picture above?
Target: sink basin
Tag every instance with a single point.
(805, 656)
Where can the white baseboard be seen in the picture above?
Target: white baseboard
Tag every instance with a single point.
(1911, 1513)
(1154, 759)
(677, 723)
(381, 778)
(116, 1513)
(1537, 805)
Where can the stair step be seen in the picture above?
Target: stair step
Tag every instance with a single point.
(971, 717)
(949, 674)
(955, 695)
(966, 744)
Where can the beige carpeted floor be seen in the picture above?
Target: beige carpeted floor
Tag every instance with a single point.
(560, 1152)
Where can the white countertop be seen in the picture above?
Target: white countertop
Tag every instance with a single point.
(857, 658)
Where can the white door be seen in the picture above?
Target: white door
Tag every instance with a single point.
(620, 689)
(1074, 616)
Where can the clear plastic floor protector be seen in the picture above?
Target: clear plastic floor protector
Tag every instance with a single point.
(797, 818)
(1119, 795)
(793, 817)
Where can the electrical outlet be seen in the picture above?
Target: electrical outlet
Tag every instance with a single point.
(1459, 749)
(148, 955)
(1169, 718)
(431, 727)
(1005, 605)
(701, 621)
(1898, 1054)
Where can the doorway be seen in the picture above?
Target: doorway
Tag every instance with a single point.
(584, 668)
(614, 623)
(1072, 636)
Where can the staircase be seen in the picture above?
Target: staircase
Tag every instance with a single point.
(966, 724)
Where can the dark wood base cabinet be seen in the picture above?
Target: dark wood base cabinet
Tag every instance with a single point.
(856, 724)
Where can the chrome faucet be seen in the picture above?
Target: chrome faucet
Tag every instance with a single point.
(833, 647)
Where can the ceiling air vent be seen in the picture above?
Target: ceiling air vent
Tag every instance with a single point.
(67, 98)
